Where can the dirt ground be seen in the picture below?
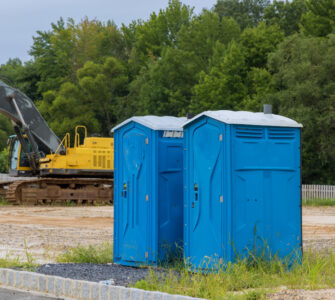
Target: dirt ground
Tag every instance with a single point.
(319, 228)
(326, 294)
(318, 222)
(48, 231)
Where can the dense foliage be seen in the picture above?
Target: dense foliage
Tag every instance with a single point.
(238, 55)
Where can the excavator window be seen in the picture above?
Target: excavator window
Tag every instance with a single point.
(14, 146)
(16, 153)
(24, 162)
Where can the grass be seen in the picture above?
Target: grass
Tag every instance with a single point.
(9, 262)
(3, 202)
(100, 254)
(247, 279)
(319, 202)
(16, 262)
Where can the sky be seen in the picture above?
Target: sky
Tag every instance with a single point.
(20, 19)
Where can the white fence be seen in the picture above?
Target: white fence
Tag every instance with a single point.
(314, 191)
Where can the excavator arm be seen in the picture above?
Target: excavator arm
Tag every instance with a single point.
(27, 120)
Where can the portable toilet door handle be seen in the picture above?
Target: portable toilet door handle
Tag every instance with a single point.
(196, 189)
(124, 191)
(196, 194)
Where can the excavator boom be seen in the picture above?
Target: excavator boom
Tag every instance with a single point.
(22, 111)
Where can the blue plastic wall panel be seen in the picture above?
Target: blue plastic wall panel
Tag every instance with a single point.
(266, 199)
(147, 176)
(170, 195)
(205, 233)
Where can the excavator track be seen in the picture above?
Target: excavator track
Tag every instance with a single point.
(76, 191)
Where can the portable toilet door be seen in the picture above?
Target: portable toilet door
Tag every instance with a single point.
(241, 186)
(204, 193)
(142, 199)
(133, 184)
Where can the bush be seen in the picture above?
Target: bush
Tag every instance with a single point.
(4, 161)
(100, 254)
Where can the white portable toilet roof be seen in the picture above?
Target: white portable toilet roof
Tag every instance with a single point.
(156, 123)
(247, 118)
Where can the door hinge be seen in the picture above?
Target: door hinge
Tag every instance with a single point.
(147, 141)
(221, 199)
(220, 137)
(147, 197)
(146, 254)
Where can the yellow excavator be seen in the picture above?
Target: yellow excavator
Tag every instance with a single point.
(50, 170)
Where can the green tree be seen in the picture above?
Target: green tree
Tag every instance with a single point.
(95, 41)
(6, 130)
(103, 86)
(258, 83)
(4, 161)
(59, 53)
(166, 86)
(223, 87)
(285, 14)
(66, 108)
(319, 20)
(204, 31)
(91, 102)
(53, 52)
(232, 83)
(22, 76)
(160, 30)
(258, 42)
(247, 13)
(304, 87)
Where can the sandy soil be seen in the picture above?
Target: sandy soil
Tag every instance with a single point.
(48, 231)
(319, 228)
(318, 222)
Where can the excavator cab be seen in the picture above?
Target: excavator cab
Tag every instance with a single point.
(18, 163)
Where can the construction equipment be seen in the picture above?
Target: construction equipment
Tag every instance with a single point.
(58, 173)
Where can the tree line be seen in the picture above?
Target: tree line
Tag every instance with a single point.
(238, 55)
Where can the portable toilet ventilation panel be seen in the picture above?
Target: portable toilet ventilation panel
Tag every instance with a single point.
(148, 189)
(241, 187)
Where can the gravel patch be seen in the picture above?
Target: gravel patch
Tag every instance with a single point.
(114, 273)
(319, 245)
(327, 294)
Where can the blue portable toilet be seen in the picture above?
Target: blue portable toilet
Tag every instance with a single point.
(148, 189)
(241, 187)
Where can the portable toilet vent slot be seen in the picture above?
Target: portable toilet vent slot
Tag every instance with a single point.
(281, 133)
(148, 189)
(249, 132)
(242, 191)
